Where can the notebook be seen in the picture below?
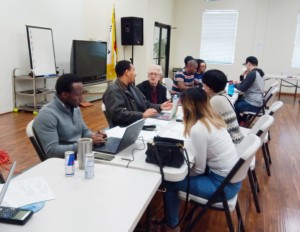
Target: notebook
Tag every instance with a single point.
(5, 186)
(169, 114)
(115, 145)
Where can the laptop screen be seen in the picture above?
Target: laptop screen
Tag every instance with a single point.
(175, 106)
(9, 177)
(131, 134)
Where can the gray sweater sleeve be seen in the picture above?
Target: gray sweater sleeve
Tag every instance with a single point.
(247, 82)
(58, 133)
(86, 132)
(45, 127)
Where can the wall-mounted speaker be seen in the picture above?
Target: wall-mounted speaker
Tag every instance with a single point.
(132, 31)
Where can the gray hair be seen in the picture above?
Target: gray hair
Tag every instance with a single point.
(156, 67)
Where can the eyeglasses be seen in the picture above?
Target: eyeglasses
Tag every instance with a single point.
(154, 74)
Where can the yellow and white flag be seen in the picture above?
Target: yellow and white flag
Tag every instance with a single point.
(112, 51)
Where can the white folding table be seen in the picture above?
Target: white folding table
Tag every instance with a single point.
(114, 200)
(292, 81)
(134, 156)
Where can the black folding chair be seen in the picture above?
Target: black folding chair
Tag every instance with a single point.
(251, 116)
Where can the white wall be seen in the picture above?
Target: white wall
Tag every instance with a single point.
(69, 19)
(266, 29)
(64, 17)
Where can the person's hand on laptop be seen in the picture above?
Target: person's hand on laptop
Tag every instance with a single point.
(99, 137)
(166, 105)
(149, 113)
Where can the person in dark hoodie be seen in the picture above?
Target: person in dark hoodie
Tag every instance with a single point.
(252, 88)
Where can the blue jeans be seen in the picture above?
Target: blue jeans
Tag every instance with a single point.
(241, 106)
(202, 185)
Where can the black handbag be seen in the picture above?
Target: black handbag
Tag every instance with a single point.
(165, 152)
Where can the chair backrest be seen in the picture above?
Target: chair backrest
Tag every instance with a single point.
(271, 94)
(262, 126)
(35, 141)
(275, 84)
(103, 107)
(2, 181)
(246, 151)
(274, 107)
(168, 82)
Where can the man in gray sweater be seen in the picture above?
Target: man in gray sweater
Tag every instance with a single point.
(59, 124)
(253, 90)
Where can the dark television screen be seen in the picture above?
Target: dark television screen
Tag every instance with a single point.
(89, 60)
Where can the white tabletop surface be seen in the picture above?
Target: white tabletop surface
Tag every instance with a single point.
(283, 77)
(171, 174)
(170, 129)
(114, 200)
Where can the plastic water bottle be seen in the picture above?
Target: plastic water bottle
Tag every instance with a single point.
(230, 89)
(174, 98)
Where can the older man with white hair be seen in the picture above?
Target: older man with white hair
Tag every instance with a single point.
(152, 88)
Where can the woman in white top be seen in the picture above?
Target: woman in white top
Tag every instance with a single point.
(215, 153)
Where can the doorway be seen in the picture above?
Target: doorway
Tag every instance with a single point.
(161, 46)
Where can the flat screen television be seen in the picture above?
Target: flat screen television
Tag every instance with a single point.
(88, 60)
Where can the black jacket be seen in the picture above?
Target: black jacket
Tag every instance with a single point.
(122, 108)
(146, 90)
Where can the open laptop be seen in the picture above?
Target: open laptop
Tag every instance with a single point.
(9, 177)
(8, 214)
(115, 145)
(169, 114)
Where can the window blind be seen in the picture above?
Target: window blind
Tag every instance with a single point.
(218, 38)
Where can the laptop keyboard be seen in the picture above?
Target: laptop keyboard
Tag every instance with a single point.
(111, 145)
(8, 212)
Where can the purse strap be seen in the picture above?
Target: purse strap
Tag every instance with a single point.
(160, 165)
(163, 181)
(228, 101)
(188, 186)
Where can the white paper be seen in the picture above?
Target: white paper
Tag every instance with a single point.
(157, 122)
(175, 132)
(148, 135)
(25, 192)
(116, 132)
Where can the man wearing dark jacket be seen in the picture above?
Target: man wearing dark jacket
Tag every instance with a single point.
(252, 87)
(124, 102)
